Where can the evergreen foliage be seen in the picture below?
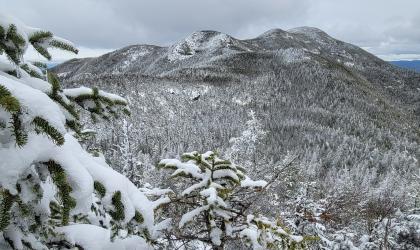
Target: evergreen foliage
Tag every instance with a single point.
(50, 187)
(64, 189)
(99, 188)
(6, 204)
(118, 213)
(216, 198)
(42, 126)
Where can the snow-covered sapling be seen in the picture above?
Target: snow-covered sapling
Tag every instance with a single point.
(215, 196)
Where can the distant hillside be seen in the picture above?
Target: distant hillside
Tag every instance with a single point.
(307, 88)
(415, 64)
(351, 118)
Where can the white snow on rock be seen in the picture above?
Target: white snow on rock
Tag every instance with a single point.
(198, 41)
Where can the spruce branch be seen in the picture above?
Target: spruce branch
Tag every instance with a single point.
(55, 83)
(60, 180)
(7, 101)
(40, 36)
(99, 188)
(63, 45)
(43, 126)
(31, 72)
(43, 51)
(118, 214)
(6, 204)
(40, 65)
(2, 33)
(18, 131)
(13, 36)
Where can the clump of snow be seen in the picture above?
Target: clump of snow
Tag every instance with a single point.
(173, 91)
(349, 64)
(241, 102)
(188, 217)
(63, 74)
(98, 238)
(197, 91)
(292, 55)
(33, 101)
(215, 236)
(252, 235)
(75, 92)
(248, 182)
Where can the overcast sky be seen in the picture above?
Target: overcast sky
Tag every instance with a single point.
(387, 28)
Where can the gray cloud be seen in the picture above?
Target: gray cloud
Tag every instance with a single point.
(384, 27)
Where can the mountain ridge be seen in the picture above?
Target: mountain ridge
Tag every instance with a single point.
(247, 44)
(352, 119)
(295, 65)
(205, 55)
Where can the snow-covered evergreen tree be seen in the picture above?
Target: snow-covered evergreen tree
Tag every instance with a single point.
(243, 148)
(214, 205)
(53, 193)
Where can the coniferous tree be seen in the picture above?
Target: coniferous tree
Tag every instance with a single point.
(214, 205)
(53, 193)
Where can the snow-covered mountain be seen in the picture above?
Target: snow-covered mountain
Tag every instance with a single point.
(214, 56)
(352, 118)
(301, 76)
(210, 48)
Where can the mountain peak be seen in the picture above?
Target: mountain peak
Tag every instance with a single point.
(312, 32)
(206, 40)
(208, 49)
(306, 30)
(272, 32)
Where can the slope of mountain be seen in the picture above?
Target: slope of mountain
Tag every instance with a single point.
(352, 119)
(414, 64)
(210, 56)
(314, 95)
